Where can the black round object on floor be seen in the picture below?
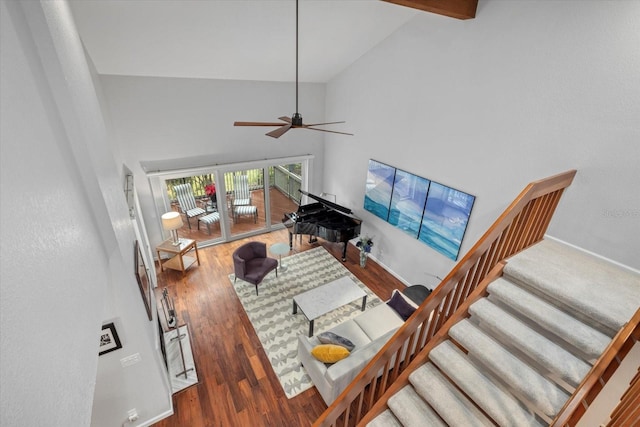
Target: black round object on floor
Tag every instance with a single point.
(417, 293)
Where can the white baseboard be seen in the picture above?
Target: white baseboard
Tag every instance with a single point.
(393, 273)
(626, 267)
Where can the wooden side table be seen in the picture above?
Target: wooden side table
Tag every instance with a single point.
(180, 261)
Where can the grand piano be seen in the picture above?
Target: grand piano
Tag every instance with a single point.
(324, 219)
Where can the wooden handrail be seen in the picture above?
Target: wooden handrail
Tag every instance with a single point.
(442, 335)
(600, 373)
(522, 224)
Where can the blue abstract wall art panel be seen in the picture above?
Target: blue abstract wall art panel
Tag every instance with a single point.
(407, 202)
(377, 195)
(433, 213)
(445, 219)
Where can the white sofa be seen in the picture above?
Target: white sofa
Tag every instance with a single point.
(369, 331)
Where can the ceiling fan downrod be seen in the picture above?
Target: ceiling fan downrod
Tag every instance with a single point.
(295, 121)
(296, 115)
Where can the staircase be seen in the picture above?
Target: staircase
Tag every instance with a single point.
(524, 347)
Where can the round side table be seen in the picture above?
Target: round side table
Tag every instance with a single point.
(280, 249)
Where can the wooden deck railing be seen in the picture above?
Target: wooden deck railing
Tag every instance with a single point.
(522, 224)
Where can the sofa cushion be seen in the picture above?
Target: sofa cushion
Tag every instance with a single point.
(400, 305)
(332, 338)
(351, 331)
(406, 298)
(342, 373)
(329, 353)
(378, 320)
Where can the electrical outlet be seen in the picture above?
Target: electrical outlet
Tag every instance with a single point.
(132, 415)
(130, 360)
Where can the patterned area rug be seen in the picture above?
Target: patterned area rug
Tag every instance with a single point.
(271, 311)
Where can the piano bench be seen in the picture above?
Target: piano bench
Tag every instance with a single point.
(245, 210)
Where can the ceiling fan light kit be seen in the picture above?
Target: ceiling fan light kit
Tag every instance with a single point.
(295, 121)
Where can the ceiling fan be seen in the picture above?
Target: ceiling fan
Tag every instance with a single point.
(295, 121)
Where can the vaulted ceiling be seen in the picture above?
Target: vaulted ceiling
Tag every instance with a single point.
(237, 39)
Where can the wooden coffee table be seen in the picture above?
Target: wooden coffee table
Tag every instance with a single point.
(326, 298)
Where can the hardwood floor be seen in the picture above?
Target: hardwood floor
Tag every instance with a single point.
(237, 386)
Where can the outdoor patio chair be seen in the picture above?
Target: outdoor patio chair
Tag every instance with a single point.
(241, 192)
(187, 203)
(237, 211)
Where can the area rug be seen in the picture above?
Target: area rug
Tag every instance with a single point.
(271, 311)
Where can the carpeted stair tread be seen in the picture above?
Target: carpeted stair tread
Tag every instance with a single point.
(385, 419)
(450, 404)
(588, 340)
(598, 289)
(411, 410)
(538, 390)
(503, 407)
(517, 334)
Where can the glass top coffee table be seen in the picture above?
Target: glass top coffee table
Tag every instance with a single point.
(328, 297)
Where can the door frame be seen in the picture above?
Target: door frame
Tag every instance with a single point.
(157, 182)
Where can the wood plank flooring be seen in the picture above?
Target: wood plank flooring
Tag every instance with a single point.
(237, 386)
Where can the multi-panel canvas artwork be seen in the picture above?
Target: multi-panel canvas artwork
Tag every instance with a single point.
(407, 202)
(435, 214)
(445, 219)
(377, 195)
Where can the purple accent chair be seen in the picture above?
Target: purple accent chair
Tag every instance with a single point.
(251, 264)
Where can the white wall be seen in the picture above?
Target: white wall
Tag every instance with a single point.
(526, 90)
(191, 120)
(67, 240)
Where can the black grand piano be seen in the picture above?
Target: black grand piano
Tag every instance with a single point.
(324, 219)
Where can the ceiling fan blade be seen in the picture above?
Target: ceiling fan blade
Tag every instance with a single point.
(330, 131)
(257, 124)
(327, 123)
(279, 132)
(285, 119)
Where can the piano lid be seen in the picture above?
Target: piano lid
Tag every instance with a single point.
(327, 203)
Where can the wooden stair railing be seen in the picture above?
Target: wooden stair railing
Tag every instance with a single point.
(628, 410)
(600, 373)
(442, 335)
(522, 224)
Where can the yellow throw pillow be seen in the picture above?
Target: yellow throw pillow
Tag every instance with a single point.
(329, 353)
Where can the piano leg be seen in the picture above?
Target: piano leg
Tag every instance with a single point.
(344, 252)
(290, 241)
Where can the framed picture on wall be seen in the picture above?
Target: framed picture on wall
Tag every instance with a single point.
(407, 202)
(445, 219)
(377, 195)
(109, 340)
(142, 275)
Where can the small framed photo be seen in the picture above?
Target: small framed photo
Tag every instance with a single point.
(109, 340)
(142, 275)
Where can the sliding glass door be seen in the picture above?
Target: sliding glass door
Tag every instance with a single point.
(284, 183)
(221, 203)
(195, 198)
(245, 201)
